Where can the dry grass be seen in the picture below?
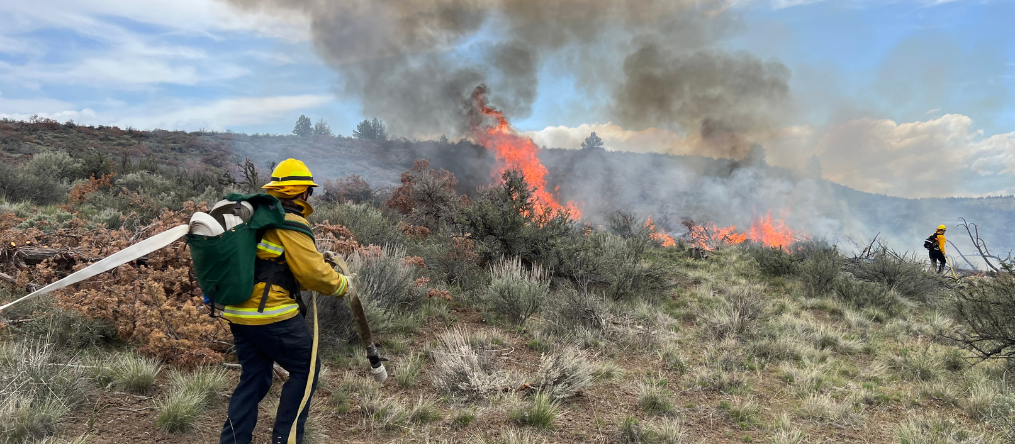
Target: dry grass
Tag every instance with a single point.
(563, 374)
(461, 370)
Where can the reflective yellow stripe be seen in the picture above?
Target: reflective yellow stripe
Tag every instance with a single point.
(343, 284)
(270, 247)
(238, 312)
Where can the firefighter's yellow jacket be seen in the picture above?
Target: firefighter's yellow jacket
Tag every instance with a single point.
(941, 242)
(307, 265)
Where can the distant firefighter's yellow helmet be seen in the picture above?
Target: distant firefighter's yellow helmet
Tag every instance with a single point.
(942, 227)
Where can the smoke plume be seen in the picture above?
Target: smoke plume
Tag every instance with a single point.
(413, 63)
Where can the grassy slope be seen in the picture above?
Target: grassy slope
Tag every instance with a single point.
(808, 367)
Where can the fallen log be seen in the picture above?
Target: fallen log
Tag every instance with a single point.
(35, 255)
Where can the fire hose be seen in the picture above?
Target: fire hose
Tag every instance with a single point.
(164, 239)
(121, 257)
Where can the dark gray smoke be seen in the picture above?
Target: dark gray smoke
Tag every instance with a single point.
(721, 96)
(413, 63)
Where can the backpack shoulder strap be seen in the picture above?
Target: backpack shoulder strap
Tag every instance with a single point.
(296, 225)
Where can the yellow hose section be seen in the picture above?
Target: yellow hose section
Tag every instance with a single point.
(313, 371)
(950, 267)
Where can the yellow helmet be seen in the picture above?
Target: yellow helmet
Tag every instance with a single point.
(942, 227)
(290, 173)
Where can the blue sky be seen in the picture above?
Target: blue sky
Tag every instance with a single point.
(916, 78)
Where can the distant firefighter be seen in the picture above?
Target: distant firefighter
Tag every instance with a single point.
(935, 244)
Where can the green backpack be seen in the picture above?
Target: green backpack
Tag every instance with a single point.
(225, 264)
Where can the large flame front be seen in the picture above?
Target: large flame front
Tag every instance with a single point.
(514, 152)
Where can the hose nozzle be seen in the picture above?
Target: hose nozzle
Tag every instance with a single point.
(379, 373)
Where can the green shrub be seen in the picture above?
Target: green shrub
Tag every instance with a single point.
(737, 313)
(36, 390)
(135, 373)
(386, 280)
(368, 225)
(386, 288)
(178, 410)
(819, 266)
(499, 219)
(986, 307)
(516, 293)
(205, 382)
(654, 398)
(902, 273)
(424, 412)
(861, 294)
(774, 261)
(540, 413)
(65, 329)
(408, 369)
(933, 430)
(55, 165)
(463, 419)
(744, 412)
(21, 208)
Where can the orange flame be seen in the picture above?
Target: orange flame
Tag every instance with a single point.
(662, 239)
(515, 152)
(710, 236)
(772, 233)
(764, 230)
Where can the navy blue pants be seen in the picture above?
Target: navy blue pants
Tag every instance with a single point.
(937, 258)
(288, 343)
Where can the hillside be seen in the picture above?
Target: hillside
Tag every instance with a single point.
(502, 325)
(748, 345)
(669, 188)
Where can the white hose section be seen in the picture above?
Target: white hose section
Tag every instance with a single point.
(121, 257)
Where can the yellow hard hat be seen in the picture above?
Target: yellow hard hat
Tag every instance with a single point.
(291, 172)
(942, 227)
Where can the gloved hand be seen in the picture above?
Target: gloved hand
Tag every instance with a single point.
(376, 364)
(335, 260)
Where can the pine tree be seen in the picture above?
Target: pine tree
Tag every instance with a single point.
(303, 127)
(321, 128)
(593, 143)
(370, 130)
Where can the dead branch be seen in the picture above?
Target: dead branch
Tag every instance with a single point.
(866, 251)
(974, 267)
(980, 244)
(10, 280)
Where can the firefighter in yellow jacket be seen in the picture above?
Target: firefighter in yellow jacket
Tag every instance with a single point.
(936, 245)
(269, 327)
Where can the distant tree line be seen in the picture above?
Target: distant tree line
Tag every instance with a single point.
(306, 129)
(368, 129)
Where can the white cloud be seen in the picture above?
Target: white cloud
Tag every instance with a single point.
(217, 115)
(177, 16)
(31, 106)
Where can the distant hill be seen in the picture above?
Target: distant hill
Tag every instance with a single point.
(670, 188)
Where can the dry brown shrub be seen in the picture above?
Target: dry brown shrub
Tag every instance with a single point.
(415, 231)
(414, 260)
(153, 302)
(335, 238)
(350, 188)
(81, 191)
